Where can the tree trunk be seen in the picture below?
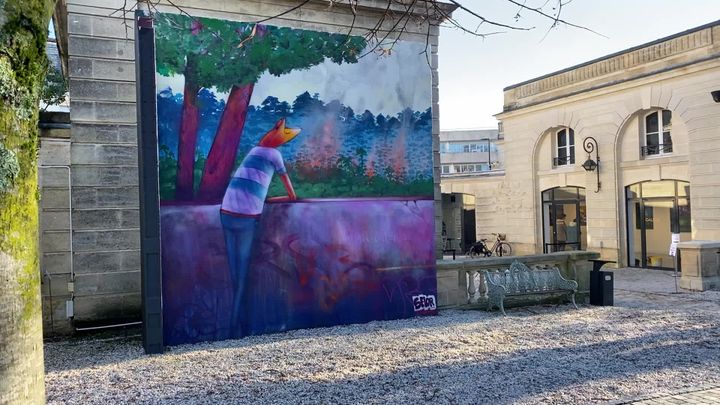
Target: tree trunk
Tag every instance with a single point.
(23, 36)
(223, 151)
(188, 133)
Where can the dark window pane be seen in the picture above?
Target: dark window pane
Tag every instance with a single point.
(685, 223)
(572, 154)
(561, 140)
(666, 119)
(649, 217)
(572, 137)
(651, 123)
(652, 142)
(667, 142)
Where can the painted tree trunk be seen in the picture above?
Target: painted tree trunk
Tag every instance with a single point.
(187, 140)
(223, 151)
(23, 36)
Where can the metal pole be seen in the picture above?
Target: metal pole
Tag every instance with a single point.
(489, 157)
(151, 271)
(675, 265)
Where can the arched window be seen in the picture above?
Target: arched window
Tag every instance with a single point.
(564, 147)
(657, 133)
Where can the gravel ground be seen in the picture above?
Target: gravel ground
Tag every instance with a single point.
(648, 343)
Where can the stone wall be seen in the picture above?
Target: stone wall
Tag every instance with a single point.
(103, 151)
(54, 161)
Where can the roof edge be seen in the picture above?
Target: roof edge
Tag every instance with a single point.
(612, 55)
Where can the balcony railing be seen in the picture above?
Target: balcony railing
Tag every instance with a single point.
(651, 150)
(563, 161)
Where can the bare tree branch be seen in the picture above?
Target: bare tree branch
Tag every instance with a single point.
(393, 21)
(555, 18)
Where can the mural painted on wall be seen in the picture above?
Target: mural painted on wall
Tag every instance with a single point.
(295, 179)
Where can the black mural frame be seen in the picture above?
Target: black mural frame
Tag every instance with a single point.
(151, 266)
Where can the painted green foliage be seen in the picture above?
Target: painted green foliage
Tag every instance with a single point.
(236, 54)
(231, 57)
(23, 64)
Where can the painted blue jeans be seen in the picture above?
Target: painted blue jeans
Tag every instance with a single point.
(239, 235)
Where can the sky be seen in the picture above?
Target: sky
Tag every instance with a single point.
(473, 71)
(403, 79)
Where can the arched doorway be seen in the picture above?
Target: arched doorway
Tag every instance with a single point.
(655, 211)
(564, 219)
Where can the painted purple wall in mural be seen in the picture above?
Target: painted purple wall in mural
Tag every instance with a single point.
(295, 179)
(315, 263)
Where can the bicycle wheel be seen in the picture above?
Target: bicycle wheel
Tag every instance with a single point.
(503, 249)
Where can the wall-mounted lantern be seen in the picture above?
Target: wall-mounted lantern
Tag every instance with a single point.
(590, 145)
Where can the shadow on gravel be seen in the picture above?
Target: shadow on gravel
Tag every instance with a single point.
(521, 375)
(525, 375)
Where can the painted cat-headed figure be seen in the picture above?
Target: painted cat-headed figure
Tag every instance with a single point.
(243, 204)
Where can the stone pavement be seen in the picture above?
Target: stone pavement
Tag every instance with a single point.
(709, 396)
(661, 284)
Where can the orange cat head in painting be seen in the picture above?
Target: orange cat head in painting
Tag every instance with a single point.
(278, 135)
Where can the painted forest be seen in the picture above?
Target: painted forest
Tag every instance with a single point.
(340, 152)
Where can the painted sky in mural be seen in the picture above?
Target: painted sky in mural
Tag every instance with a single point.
(295, 179)
(355, 85)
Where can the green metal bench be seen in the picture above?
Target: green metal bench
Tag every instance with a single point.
(520, 280)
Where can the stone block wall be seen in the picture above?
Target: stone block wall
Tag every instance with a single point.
(102, 149)
(54, 161)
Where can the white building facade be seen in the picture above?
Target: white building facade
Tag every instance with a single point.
(649, 114)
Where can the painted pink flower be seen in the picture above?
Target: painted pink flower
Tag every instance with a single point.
(195, 27)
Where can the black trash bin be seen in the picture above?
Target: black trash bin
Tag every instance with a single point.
(601, 284)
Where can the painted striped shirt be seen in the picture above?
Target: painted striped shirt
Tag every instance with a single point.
(245, 195)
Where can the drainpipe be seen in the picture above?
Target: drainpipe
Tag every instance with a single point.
(69, 304)
(117, 325)
(489, 157)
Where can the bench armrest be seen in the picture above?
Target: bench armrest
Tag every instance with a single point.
(491, 284)
(565, 283)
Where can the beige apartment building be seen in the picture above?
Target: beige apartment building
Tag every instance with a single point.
(657, 151)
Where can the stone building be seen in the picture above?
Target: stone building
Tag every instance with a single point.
(651, 111)
(465, 154)
(90, 237)
(470, 152)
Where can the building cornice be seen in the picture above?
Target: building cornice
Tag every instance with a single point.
(710, 62)
(676, 51)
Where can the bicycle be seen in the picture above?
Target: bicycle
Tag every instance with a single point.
(500, 248)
